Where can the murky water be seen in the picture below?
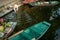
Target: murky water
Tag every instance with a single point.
(28, 16)
(57, 33)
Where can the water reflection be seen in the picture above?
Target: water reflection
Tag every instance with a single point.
(10, 17)
(57, 34)
(55, 14)
(28, 16)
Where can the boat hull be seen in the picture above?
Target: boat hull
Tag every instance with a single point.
(34, 32)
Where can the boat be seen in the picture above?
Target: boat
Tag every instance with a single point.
(34, 32)
(45, 3)
(3, 13)
(8, 30)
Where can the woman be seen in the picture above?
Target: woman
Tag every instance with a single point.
(1, 27)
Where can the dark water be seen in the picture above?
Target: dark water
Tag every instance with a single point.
(27, 17)
(9, 17)
(38, 14)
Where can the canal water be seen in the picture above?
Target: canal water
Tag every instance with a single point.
(28, 16)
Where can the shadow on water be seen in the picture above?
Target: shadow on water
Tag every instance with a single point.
(34, 14)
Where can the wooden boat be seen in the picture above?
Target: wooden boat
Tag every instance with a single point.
(5, 12)
(34, 32)
(51, 3)
(8, 30)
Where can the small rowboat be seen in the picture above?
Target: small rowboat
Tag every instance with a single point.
(32, 33)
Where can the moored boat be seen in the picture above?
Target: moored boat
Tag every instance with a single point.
(51, 3)
(32, 33)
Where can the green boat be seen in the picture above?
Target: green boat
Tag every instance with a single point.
(45, 3)
(34, 32)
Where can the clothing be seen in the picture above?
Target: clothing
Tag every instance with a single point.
(29, 1)
(1, 19)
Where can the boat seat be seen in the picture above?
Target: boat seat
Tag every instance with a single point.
(32, 33)
(40, 27)
(27, 35)
(35, 29)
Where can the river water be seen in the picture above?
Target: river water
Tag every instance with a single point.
(27, 17)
